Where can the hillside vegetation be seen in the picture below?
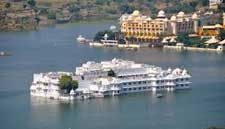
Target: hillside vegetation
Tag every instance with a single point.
(113, 8)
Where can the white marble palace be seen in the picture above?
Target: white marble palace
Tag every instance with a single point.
(128, 77)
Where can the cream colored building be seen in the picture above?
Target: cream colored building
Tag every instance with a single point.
(144, 27)
(213, 4)
(223, 20)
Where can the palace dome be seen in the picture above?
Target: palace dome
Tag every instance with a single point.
(148, 18)
(194, 16)
(173, 18)
(180, 14)
(161, 13)
(136, 13)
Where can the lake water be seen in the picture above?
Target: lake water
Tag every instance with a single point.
(55, 49)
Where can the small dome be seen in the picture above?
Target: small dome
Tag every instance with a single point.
(143, 17)
(173, 18)
(194, 16)
(148, 18)
(187, 19)
(136, 13)
(161, 13)
(218, 26)
(180, 14)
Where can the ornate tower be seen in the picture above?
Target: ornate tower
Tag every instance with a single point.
(195, 20)
(173, 25)
(223, 19)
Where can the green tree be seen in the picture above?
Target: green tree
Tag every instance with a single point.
(51, 15)
(183, 38)
(7, 5)
(99, 35)
(74, 8)
(111, 73)
(67, 83)
(100, 2)
(37, 19)
(205, 2)
(222, 34)
(24, 6)
(126, 9)
(32, 3)
(121, 41)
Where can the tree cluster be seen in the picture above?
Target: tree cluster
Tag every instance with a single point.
(111, 73)
(100, 35)
(67, 83)
(193, 42)
(221, 34)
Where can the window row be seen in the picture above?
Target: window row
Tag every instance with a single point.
(136, 88)
(181, 85)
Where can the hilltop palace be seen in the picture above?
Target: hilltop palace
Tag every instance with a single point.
(94, 80)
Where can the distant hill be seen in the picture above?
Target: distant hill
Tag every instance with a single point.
(62, 11)
(115, 7)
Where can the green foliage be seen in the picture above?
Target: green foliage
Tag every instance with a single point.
(37, 19)
(222, 34)
(185, 7)
(24, 6)
(111, 73)
(183, 38)
(66, 83)
(192, 42)
(108, 8)
(32, 3)
(111, 11)
(74, 8)
(100, 2)
(99, 35)
(7, 5)
(126, 9)
(204, 2)
(51, 15)
(121, 41)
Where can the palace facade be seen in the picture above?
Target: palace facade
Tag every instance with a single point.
(141, 27)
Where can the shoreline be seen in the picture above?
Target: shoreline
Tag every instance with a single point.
(192, 48)
(53, 24)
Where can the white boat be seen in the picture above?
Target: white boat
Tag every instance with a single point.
(159, 95)
(2, 53)
(81, 39)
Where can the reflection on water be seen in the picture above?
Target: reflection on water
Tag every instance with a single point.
(39, 101)
(106, 103)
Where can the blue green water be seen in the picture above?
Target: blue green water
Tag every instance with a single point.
(54, 49)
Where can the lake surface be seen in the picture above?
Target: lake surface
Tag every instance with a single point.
(55, 49)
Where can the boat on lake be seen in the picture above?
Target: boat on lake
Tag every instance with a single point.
(81, 39)
(159, 95)
(2, 53)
